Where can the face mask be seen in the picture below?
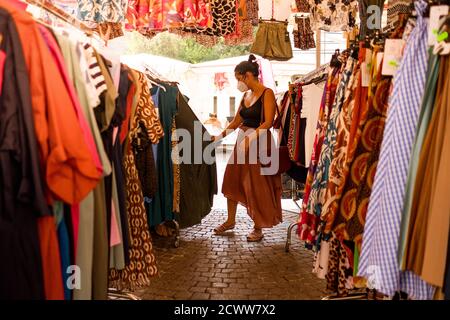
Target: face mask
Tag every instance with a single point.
(242, 86)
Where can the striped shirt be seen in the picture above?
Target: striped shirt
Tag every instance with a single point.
(95, 72)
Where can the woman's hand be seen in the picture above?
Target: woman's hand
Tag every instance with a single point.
(215, 138)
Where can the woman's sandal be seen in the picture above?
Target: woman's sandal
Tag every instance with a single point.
(223, 228)
(255, 236)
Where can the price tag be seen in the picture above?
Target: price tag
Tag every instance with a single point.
(365, 75)
(393, 49)
(365, 69)
(435, 14)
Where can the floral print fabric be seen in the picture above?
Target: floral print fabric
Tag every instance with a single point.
(102, 10)
(308, 221)
(333, 15)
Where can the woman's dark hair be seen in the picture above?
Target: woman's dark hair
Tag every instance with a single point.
(248, 66)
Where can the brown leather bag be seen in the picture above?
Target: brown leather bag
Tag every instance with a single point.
(284, 160)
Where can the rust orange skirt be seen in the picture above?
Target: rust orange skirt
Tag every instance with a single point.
(244, 183)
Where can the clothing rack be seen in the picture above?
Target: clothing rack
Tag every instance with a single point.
(316, 75)
(322, 70)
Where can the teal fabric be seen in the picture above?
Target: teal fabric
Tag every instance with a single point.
(161, 208)
(425, 115)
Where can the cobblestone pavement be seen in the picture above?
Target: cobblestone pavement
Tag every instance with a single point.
(228, 267)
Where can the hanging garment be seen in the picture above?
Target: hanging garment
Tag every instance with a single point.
(386, 202)
(141, 266)
(302, 6)
(64, 248)
(21, 270)
(72, 177)
(103, 194)
(223, 19)
(429, 224)
(198, 182)
(426, 111)
(110, 30)
(176, 169)
(272, 41)
(253, 11)
(307, 221)
(243, 34)
(355, 198)
(138, 15)
(303, 36)
(101, 10)
(293, 142)
(145, 163)
(321, 177)
(312, 95)
(161, 208)
(395, 8)
(351, 120)
(333, 15)
(340, 267)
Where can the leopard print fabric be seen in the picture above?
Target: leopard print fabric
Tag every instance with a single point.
(340, 272)
(224, 19)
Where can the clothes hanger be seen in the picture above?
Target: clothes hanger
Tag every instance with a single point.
(149, 78)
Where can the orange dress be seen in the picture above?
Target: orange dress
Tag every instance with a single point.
(244, 181)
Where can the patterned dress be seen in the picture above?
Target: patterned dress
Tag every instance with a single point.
(142, 265)
(319, 185)
(333, 15)
(308, 221)
(342, 152)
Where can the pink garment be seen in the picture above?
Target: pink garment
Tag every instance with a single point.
(54, 49)
(115, 233)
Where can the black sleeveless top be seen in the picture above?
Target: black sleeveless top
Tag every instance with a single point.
(251, 116)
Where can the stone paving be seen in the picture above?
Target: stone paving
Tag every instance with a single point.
(206, 266)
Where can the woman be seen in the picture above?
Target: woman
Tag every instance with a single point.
(244, 182)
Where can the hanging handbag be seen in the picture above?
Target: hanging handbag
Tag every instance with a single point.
(284, 160)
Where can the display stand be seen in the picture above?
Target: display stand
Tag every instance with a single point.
(295, 198)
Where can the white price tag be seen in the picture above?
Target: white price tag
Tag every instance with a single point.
(365, 69)
(393, 49)
(435, 14)
(365, 75)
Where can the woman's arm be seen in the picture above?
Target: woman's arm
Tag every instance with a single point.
(237, 120)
